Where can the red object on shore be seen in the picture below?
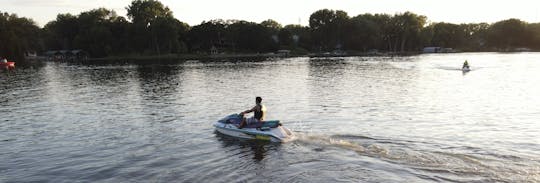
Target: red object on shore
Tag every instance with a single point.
(7, 64)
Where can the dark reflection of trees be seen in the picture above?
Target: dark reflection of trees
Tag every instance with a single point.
(326, 67)
(258, 147)
(109, 77)
(160, 87)
(235, 59)
(236, 63)
(159, 81)
(326, 80)
(19, 78)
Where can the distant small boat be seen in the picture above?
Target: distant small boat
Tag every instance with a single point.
(7, 64)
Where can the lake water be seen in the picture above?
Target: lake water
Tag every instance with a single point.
(357, 119)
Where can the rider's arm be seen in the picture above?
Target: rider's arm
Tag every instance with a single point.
(250, 110)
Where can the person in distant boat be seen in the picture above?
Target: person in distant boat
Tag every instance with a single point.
(4, 60)
(259, 112)
(465, 65)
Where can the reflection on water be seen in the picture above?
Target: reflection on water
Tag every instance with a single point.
(258, 147)
(367, 119)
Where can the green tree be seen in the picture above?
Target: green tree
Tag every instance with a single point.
(508, 34)
(406, 30)
(144, 13)
(167, 32)
(18, 36)
(475, 35)
(251, 37)
(272, 28)
(95, 34)
(206, 35)
(534, 29)
(328, 27)
(60, 33)
(364, 32)
(448, 35)
(295, 36)
(120, 30)
(272, 25)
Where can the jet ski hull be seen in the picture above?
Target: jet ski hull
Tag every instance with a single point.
(269, 131)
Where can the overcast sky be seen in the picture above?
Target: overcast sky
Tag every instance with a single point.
(291, 11)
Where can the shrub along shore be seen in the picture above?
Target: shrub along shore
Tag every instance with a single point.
(151, 31)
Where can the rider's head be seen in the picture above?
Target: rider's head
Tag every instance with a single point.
(258, 100)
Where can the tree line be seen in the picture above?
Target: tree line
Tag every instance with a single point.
(151, 29)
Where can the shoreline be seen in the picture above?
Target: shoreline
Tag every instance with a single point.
(243, 56)
(191, 57)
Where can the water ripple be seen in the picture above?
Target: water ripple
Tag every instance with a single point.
(358, 119)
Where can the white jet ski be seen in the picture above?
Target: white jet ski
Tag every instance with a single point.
(271, 130)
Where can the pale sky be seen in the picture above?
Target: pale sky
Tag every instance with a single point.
(291, 11)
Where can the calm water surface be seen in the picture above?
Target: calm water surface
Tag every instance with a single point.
(358, 119)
